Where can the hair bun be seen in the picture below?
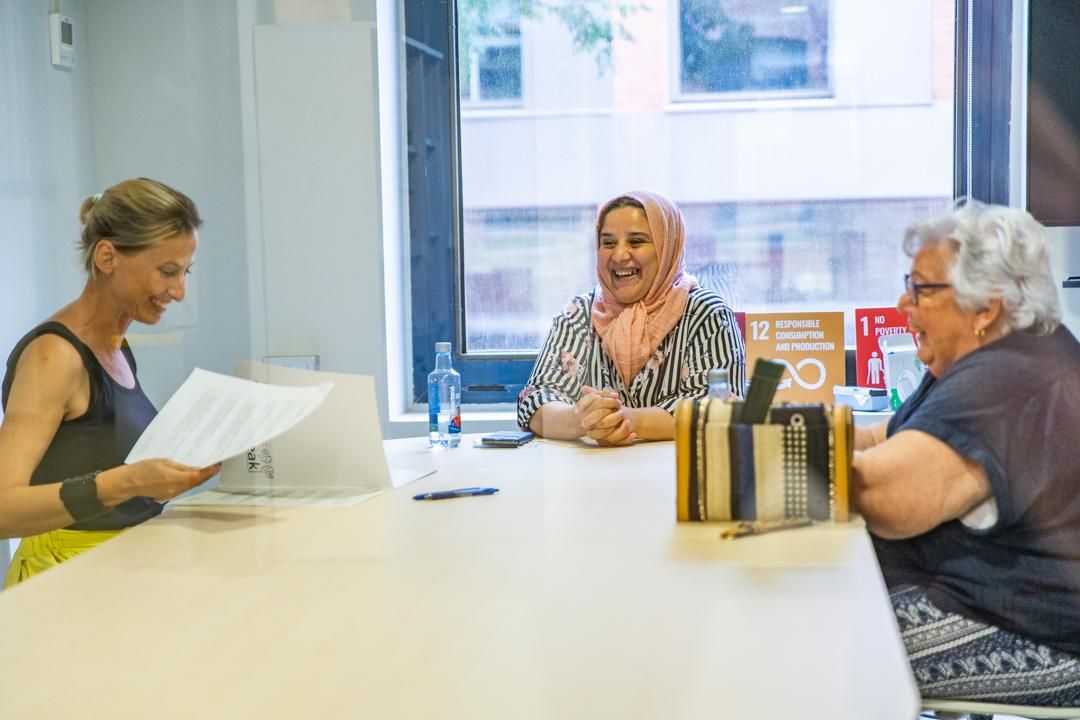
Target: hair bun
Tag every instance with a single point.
(88, 205)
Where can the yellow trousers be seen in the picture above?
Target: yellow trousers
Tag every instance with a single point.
(38, 553)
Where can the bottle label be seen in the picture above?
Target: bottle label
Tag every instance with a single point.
(455, 419)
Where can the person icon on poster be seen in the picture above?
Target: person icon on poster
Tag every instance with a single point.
(874, 366)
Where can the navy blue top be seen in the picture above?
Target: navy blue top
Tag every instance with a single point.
(1013, 406)
(100, 438)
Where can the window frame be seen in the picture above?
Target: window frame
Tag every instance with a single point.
(984, 100)
(981, 170)
(438, 299)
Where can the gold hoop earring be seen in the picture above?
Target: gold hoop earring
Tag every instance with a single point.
(980, 333)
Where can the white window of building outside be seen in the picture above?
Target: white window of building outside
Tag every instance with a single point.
(756, 47)
(489, 63)
(800, 138)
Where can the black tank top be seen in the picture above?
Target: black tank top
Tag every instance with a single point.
(100, 438)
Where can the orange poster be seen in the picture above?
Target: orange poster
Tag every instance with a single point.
(810, 344)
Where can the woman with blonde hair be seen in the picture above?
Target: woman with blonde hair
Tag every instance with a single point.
(73, 406)
(618, 359)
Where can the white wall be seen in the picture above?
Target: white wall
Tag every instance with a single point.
(45, 166)
(45, 171)
(166, 105)
(317, 125)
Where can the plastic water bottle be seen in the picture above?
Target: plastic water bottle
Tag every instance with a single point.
(718, 385)
(444, 400)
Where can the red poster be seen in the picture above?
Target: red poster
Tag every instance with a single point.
(870, 324)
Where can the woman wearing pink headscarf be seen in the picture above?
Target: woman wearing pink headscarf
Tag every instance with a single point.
(618, 359)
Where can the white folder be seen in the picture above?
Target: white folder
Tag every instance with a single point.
(339, 445)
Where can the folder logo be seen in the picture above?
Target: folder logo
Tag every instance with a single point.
(260, 461)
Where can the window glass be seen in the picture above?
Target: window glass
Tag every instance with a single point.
(793, 200)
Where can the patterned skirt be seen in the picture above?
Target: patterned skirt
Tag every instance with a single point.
(954, 657)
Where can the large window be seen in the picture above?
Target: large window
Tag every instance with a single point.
(841, 132)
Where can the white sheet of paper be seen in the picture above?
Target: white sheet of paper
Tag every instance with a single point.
(282, 497)
(213, 417)
(297, 496)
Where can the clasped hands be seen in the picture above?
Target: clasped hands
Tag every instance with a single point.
(604, 418)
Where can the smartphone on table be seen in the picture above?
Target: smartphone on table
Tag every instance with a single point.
(506, 438)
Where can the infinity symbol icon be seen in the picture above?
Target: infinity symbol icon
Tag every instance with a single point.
(794, 372)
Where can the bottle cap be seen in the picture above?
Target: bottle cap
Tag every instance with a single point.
(717, 375)
(442, 347)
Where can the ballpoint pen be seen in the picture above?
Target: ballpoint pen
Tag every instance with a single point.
(460, 492)
(760, 527)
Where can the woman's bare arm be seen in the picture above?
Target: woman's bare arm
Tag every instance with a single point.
(869, 436)
(913, 482)
(47, 379)
(556, 420)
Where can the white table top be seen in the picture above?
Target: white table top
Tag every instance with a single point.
(572, 593)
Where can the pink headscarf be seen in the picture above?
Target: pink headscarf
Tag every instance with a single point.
(630, 334)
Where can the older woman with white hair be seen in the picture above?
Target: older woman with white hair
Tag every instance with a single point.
(972, 490)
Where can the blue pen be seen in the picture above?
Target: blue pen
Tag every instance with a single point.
(460, 492)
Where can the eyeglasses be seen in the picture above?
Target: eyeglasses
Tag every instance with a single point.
(913, 289)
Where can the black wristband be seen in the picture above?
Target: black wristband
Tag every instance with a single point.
(79, 495)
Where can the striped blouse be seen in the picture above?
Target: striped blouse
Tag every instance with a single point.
(706, 337)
